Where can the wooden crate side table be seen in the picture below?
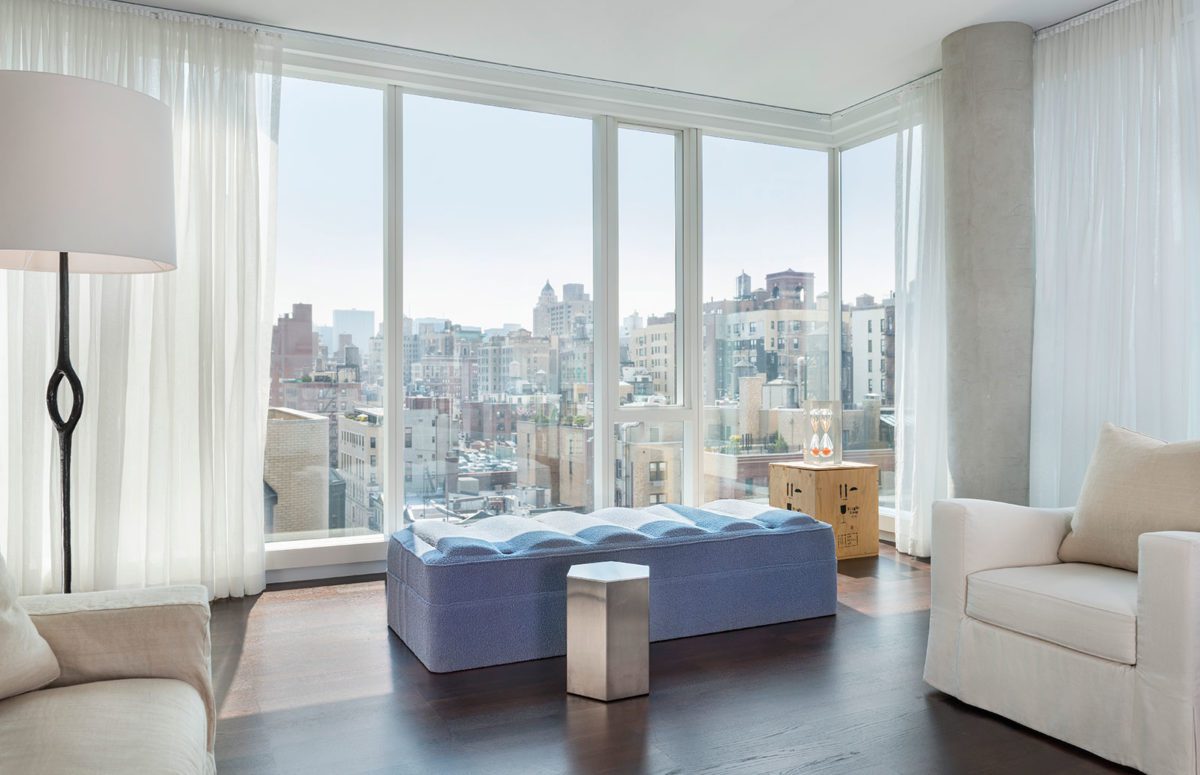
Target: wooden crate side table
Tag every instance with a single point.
(845, 496)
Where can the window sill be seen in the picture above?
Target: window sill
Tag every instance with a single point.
(325, 558)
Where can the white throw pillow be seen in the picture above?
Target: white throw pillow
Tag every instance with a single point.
(1134, 485)
(27, 663)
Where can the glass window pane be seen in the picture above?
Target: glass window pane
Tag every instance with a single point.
(766, 308)
(647, 173)
(868, 295)
(649, 463)
(497, 310)
(324, 445)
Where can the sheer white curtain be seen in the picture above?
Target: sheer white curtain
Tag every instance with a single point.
(922, 471)
(168, 456)
(1117, 310)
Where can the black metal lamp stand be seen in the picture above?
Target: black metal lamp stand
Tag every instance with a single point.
(63, 370)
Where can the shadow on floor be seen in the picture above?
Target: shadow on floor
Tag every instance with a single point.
(229, 623)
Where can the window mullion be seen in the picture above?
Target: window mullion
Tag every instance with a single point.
(606, 355)
(690, 289)
(393, 296)
(835, 274)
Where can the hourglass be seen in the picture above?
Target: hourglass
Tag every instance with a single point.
(825, 444)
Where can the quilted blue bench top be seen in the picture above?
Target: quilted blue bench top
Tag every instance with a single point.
(564, 532)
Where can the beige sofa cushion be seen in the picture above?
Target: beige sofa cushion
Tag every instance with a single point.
(1088, 608)
(26, 661)
(1134, 485)
(130, 725)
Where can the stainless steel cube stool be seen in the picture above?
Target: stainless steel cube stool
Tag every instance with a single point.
(608, 630)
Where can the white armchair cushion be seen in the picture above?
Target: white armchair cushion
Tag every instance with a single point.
(134, 725)
(1134, 485)
(26, 660)
(1087, 608)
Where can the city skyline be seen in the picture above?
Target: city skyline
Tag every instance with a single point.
(286, 308)
(503, 420)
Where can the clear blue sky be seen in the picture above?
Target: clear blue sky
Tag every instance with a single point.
(498, 201)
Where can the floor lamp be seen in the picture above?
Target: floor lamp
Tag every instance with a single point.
(86, 185)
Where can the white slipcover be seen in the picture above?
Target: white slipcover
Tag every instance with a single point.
(1142, 714)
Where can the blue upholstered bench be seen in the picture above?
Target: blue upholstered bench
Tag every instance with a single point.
(494, 592)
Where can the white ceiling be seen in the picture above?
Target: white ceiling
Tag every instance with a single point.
(817, 55)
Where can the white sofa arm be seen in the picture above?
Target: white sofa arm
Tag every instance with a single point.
(160, 632)
(1168, 642)
(970, 536)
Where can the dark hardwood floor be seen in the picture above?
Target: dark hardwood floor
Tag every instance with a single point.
(310, 680)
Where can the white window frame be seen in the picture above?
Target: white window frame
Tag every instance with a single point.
(608, 105)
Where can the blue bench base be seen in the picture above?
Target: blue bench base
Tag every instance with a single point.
(458, 610)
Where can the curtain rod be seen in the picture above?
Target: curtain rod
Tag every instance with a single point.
(220, 21)
(885, 94)
(1050, 29)
(155, 12)
(321, 36)
(289, 32)
(1082, 17)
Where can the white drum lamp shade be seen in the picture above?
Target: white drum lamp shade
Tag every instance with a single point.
(86, 168)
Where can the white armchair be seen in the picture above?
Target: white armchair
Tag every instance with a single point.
(1105, 659)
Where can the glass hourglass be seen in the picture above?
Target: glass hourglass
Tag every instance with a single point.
(814, 420)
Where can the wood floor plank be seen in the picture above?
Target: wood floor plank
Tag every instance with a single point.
(310, 680)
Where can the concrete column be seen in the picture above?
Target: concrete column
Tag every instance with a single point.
(987, 83)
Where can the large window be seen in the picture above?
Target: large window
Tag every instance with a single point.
(497, 310)
(766, 308)
(322, 470)
(868, 296)
(498, 323)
